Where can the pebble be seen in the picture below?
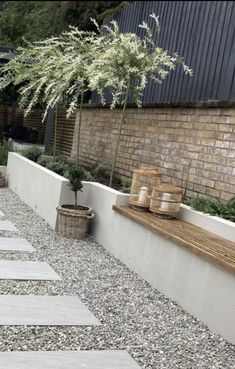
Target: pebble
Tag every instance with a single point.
(135, 317)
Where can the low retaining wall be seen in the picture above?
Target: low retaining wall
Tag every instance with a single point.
(43, 190)
(219, 226)
(36, 186)
(202, 288)
(3, 169)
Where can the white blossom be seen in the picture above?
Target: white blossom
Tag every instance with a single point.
(123, 57)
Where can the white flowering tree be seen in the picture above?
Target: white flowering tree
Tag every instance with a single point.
(53, 72)
(126, 64)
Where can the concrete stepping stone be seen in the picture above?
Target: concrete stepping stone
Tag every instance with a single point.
(67, 360)
(44, 310)
(27, 270)
(15, 244)
(5, 225)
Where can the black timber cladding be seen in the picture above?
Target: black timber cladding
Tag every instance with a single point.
(203, 32)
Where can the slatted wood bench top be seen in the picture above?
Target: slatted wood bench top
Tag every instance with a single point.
(199, 241)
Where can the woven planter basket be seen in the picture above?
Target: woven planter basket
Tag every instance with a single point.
(73, 223)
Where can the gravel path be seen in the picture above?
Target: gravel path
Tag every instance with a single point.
(135, 317)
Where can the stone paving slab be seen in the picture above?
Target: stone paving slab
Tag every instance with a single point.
(15, 244)
(27, 270)
(1, 214)
(44, 310)
(67, 360)
(5, 225)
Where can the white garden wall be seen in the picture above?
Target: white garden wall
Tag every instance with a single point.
(37, 186)
(202, 288)
(3, 169)
(221, 227)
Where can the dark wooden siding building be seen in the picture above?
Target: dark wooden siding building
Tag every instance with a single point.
(203, 32)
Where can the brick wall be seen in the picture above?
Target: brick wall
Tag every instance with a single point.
(192, 147)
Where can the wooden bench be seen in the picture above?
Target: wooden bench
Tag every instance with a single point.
(197, 240)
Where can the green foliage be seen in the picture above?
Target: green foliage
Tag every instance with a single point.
(214, 207)
(52, 72)
(43, 160)
(113, 9)
(124, 63)
(58, 167)
(30, 20)
(126, 186)
(37, 20)
(61, 165)
(101, 171)
(75, 177)
(60, 69)
(5, 148)
(50, 152)
(87, 176)
(101, 174)
(32, 153)
(78, 13)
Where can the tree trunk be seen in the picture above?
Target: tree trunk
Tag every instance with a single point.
(119, 133)
(13, 110)
(49, 128)
(76, 199)
(79, 125)
(55, 134)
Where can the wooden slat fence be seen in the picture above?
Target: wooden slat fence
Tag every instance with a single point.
(65, 128)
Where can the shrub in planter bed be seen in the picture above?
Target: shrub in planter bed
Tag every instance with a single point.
(215, 207)
(58, 167)
(126, 186)
(5, 148)
(43, 160)
(32, 153)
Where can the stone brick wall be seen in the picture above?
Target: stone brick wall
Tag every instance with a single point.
(192, 147)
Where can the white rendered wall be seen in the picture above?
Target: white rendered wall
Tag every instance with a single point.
(3, 169)
(201, 288)
(221, 227)
(36, 186)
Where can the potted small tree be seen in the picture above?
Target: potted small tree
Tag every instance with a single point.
(73, 220)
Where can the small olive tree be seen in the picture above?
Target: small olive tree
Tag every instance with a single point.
(124, 65)
(75, 176)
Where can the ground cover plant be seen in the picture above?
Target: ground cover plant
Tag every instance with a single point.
(214, 207)
(31, 153)
(5, 148)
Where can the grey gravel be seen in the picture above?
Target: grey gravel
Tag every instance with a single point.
(135, 317)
